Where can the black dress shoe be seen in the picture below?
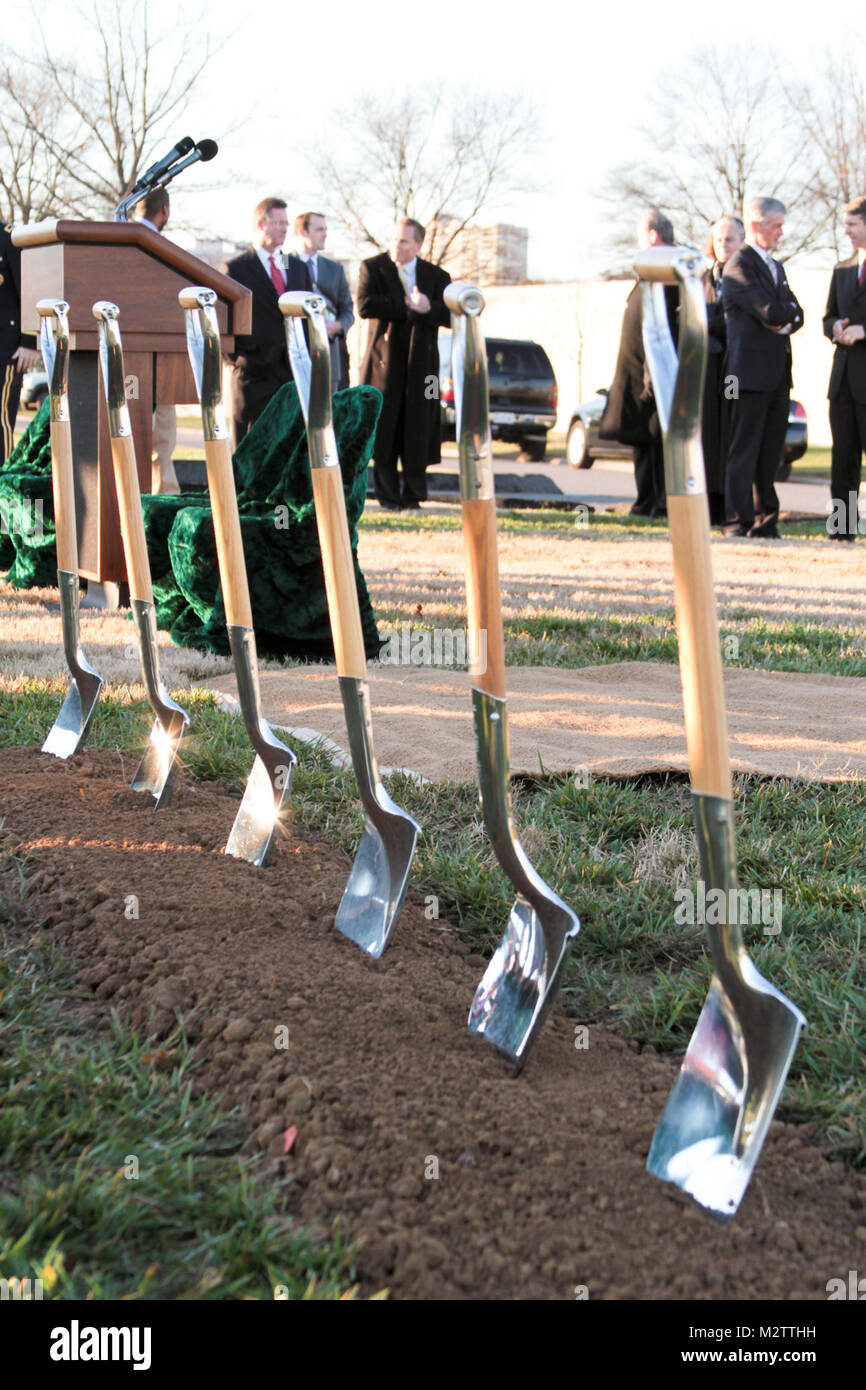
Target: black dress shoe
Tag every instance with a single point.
(389, 507)
(737, 530)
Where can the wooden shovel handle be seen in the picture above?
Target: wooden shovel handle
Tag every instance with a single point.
(227, 528)
(339, 570)
(483, 599)
(63, 481)
(131, 519)
(699, 648)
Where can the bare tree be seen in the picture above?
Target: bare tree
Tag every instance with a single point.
(439, 157)
(830, 117)
(718, 127)
(81, 145)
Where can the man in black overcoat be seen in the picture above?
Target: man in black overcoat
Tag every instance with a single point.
(402, 296)
(845, 325)
(630, 415)
(761, 312)
(17, 350)
(260, 361)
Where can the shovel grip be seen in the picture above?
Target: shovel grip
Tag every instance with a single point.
(131, 518)
(63, 481)
(227, 528)
(699, 649)
(483, 598)
(342, 591)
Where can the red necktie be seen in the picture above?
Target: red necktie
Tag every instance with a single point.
(862, 275)
(277, 277)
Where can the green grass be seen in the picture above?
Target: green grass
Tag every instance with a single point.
(615, 850)
(815, 463)
(592, 639)
(77, 1105)
(116, 1183)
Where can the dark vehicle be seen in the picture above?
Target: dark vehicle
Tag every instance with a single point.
(583, 446)
(523, 393)
(34, 388)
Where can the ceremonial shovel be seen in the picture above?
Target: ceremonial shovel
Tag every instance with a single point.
(721, 1106)
(521, 980)
(156, 773)
(377, 884)
(267, 786)
(69, 730)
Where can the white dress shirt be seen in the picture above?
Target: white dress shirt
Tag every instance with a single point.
(265, 258)
(407, 273)
(313, 263)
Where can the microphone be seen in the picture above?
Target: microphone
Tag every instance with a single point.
(155, 172)
(204, 150)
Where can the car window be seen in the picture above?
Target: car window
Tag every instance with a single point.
(517, 359)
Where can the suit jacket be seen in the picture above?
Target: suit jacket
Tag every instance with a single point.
(402, 353)
(630, 414)
(11, 337)
(263, 352)
(755, 303)
(332, 283)
(847, 300)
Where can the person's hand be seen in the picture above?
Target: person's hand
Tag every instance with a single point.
(24, 358)
(838, 329)
(418, 301)
(855, 334)
(334, 328)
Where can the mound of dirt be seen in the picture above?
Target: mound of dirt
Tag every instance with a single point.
(454, 1180)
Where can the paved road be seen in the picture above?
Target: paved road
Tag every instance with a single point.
(608, 482)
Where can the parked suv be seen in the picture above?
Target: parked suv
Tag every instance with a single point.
(523, 392)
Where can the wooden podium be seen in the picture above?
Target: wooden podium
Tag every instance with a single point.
(141, 272)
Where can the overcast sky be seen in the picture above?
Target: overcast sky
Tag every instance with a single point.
(591, 71)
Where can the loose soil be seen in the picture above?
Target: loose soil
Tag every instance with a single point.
(541, 1181)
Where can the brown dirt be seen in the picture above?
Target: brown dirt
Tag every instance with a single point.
(542, 1185)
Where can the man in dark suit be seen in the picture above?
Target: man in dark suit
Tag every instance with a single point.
(761, 312)
(329, 279)
(630, 415)
(260, 361)
(845, 325)
(17, 350)
(402, 295)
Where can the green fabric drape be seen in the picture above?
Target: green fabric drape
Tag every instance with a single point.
(278, 523)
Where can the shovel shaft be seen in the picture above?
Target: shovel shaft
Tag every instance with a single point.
(700, 653)
(131, 519)
(227, 528)
(483, 599)
(339, 570)
(63, 481)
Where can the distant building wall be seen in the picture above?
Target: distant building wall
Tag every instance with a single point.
(578, 325)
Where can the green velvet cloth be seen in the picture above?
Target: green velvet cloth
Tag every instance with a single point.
(27, 536)
(278, 523)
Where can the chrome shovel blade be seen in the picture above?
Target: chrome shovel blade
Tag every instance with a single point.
(377, 884)
(158, 768)
(69, 730)
(722, 1103)
(520, 983)
(252, 834)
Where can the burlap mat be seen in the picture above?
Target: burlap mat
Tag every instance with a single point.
(619, 720)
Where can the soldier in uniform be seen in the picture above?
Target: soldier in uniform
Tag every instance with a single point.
(17, 350)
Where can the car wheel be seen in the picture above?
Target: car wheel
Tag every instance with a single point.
(783, 472)
(534, 449)
(575, 445)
